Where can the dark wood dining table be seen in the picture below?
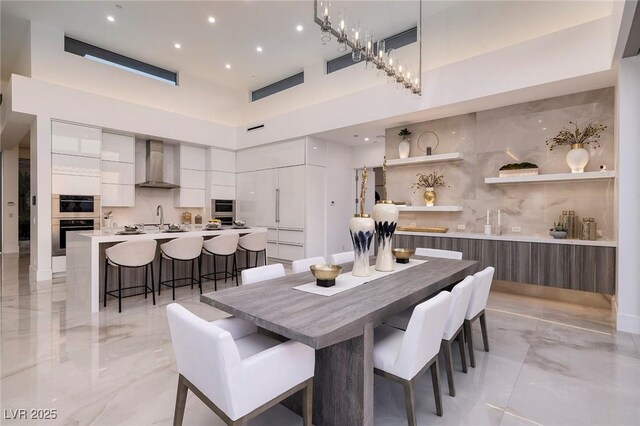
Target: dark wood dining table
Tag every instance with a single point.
(339, 327)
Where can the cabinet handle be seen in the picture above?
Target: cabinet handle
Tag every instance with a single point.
(278, 205)
(291, 229)
(291, 244)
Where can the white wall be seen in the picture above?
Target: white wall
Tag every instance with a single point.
(628, 183)
(552, 58)
(10, 200)
(193, 97)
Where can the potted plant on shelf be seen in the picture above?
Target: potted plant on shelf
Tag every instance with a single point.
(518, 169)
(578, 156)
(405, 144)
(428, 183)
(558, 231)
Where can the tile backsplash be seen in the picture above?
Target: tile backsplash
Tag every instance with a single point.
(493, 138)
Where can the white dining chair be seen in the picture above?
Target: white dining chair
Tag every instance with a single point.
(237, 373)
(302, 265)
(340, 258)
(403, 356)
(460, 296)
(262, 273)
(446, 254)
(401, 319)
(477, 305)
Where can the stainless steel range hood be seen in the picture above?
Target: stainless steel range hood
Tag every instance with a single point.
(154, 167)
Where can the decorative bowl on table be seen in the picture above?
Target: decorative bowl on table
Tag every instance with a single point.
(212, 225)
(325, 274)
(175, 227)
(403, 255)
(239, 223)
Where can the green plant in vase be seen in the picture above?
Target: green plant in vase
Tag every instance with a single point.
(404, 147)
(578, 156)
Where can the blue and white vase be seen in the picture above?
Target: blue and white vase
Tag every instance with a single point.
(362, 228)
(385, 215)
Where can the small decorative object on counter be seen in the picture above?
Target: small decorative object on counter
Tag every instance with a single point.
(558, 232)
(569, 222)
(403, 255)
(428, 149)
(518, 169)
(362, 228)
(107, 219)
(186, 218)
(428, 183)
(385, 215)
(198, 220)
(578, 156)
(589, 229)
(404, 147)
(325, 274)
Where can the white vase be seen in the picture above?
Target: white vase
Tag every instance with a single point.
(362, 230)
(385, 214)
(577, 158)
(404, 147)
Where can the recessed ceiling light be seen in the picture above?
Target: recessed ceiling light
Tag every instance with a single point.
(212, 19)
(366, 139)
(228, 66)
(259, 49)
(299, 28)
(111, 18)
(177, 46)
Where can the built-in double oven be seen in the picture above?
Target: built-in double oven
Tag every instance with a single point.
(72, 213)
(225, 210)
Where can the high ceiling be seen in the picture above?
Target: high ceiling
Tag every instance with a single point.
(148, 30)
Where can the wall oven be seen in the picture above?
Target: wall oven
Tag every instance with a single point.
(72, 213)
(225, 210)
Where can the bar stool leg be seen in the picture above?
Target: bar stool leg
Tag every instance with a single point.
(160, 276)
(200, 273)
(119, 289)
(153, 290)
(146, 279)
(235, 268)
(215, 274)
(106, 270)
(226, 267)
(192, 271)
(173, 278)
(247, 256)
(257, 256)
(264, 252)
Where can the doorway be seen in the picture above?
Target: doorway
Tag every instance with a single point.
(24, 205)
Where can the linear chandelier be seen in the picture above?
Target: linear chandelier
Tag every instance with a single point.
(374, 53)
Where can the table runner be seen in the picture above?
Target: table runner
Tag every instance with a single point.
(347, 281)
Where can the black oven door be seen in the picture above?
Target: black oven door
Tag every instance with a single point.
(62, 226)
(77, 204)
(223, 206)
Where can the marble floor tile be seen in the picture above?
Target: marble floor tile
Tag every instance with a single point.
(550, 363)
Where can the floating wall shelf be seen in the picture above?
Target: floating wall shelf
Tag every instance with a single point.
(555, 177)
(430, 209)
(435, 158)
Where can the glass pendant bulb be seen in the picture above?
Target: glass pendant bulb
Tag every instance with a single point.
(342, 38)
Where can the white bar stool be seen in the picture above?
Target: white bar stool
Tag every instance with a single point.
(255, 242)
(184, 249)
(130, 254)
(446, 254)
(222, 245)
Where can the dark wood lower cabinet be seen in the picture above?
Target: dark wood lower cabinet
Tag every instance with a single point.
(568, 266)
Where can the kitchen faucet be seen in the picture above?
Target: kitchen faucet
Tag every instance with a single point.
(160, 212)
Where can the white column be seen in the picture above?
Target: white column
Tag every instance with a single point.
(40, 267)
(10, 200)
(628, 182)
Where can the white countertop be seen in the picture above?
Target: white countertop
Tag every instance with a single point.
(513, 237)
(110, 234)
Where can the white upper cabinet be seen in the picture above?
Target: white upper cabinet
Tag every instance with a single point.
(121, 148)
(283, 154)
(193, 158)
(194, 179)
(222, 161)
(72, 139)
(316, 152)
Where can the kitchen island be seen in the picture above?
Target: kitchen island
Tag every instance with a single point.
(85, 260)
